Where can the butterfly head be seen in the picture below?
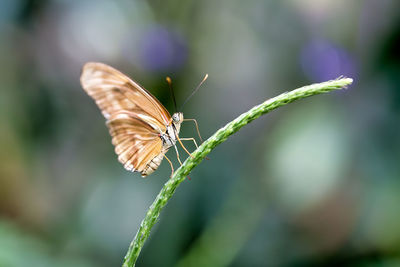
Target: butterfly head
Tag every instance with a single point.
(177, 119)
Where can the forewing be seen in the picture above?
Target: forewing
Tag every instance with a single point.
(136, 143)
(113, 92)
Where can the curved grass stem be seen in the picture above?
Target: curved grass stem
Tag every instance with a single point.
(217, 138)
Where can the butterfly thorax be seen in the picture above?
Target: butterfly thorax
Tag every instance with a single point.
(170, 136)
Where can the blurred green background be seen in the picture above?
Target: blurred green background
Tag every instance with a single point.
(314, 183)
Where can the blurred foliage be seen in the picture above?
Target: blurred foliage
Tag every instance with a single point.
(19, 249)
(314, 183)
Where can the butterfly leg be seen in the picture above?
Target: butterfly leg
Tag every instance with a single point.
(184, 148)
(197, 127)
(177, 155)
(170, 163)
(192, 139)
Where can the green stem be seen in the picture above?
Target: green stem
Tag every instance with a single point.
(220, 136)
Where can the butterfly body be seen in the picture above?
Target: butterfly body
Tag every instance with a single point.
(171, 134)
(168, 139)
(142, 129)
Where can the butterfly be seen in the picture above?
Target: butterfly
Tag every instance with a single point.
(141, 128)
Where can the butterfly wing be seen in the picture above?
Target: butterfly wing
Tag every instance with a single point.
(134, 117)
(138, 147)
(114, 91)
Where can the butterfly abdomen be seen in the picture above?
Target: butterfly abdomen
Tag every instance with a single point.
(152, 165)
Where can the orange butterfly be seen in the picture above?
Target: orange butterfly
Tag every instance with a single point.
(142, 129)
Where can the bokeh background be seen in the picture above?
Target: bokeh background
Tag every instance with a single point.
(314, 183)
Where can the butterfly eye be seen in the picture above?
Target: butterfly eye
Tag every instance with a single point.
(176, 118)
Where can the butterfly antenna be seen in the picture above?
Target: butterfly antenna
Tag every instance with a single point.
(194, 91)
(169, 81)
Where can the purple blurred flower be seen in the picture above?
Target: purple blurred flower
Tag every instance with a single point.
(162, 50)
(321, 61)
